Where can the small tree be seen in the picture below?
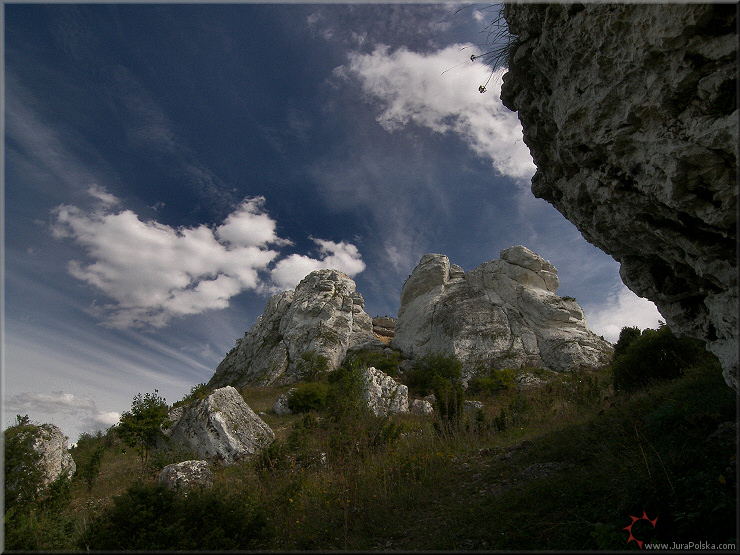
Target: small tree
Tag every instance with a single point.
(140, 427)
(24, 476)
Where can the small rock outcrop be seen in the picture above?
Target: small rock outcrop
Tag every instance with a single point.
(221, 427)
(55, 456)
(186, 475)
(384, 328)
(324, 314)
(281, 407)
(383, 395)
(630, 114)
(505, 313)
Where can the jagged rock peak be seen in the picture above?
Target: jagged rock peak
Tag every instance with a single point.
(324, 314)
(505, 313)
(630, 114)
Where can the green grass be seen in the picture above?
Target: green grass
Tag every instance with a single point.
(397, 484)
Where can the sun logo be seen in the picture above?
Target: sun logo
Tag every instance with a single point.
(635, 519)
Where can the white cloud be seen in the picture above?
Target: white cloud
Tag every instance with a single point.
(248, 226)
(155, 272)
(440, 91)
(56, 402)
(335, 256)
(621, 309)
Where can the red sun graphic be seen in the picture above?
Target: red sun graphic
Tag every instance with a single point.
(635, 519)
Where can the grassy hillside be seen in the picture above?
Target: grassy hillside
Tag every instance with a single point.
(562, 466)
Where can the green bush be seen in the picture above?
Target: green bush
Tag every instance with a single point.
(655, 355)
(309, 396)
(420, 378)
(197, 392)
(140, 427)
(386, 362)
(149, 517)
(23, 475)
(626, 337)
(312, 366)
(497, 380)
(33, 518)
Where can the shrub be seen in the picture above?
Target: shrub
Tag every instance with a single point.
(140, 427)
(421, 377)
(626, 337)
(386, 362)
(655, 355)
(308, 397)
(149, 517)
(23, 475)
(197, 392)
(497, 380)
(312, 366)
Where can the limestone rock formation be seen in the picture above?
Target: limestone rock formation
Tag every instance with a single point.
(55, 456)
(505, 313)
(281, 407)
(323, 314)
(186, 475)
(383, 328)
(629, 111)
(383, 395)
(221, 427)
(421, 406)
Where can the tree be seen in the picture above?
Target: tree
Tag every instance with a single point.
(24, 476)
(140, 427)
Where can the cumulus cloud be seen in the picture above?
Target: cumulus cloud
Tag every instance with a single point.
(439, 91)
(155, 272)
(620, 309)
(337, 256)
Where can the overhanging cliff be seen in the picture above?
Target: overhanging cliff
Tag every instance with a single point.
(630, 114)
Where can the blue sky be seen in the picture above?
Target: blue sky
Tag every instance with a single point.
(169, 167)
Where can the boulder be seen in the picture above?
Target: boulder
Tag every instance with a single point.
(55, 456)
(324, 314)
(186, 475)
(383, 395)
(471, 407)
(221, 427)
(505, 313)
(281, 407)
(421, 406)
(629, 112)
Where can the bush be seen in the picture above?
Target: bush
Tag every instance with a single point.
(149, 517)
(140, 427)
(312, 366)
(308, 397)
(197, 392)
(420, 378)
(23, 474)
(497, 380)
(626, 337)
(655, 355)
(386, 362)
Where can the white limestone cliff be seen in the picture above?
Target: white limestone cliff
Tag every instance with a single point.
(505, 313)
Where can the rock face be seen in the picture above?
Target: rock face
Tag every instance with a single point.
(323, 314)
(186, 475)
(55, 456)
(505, 313)
(383, 395)
(629, 112)
(221, 427)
